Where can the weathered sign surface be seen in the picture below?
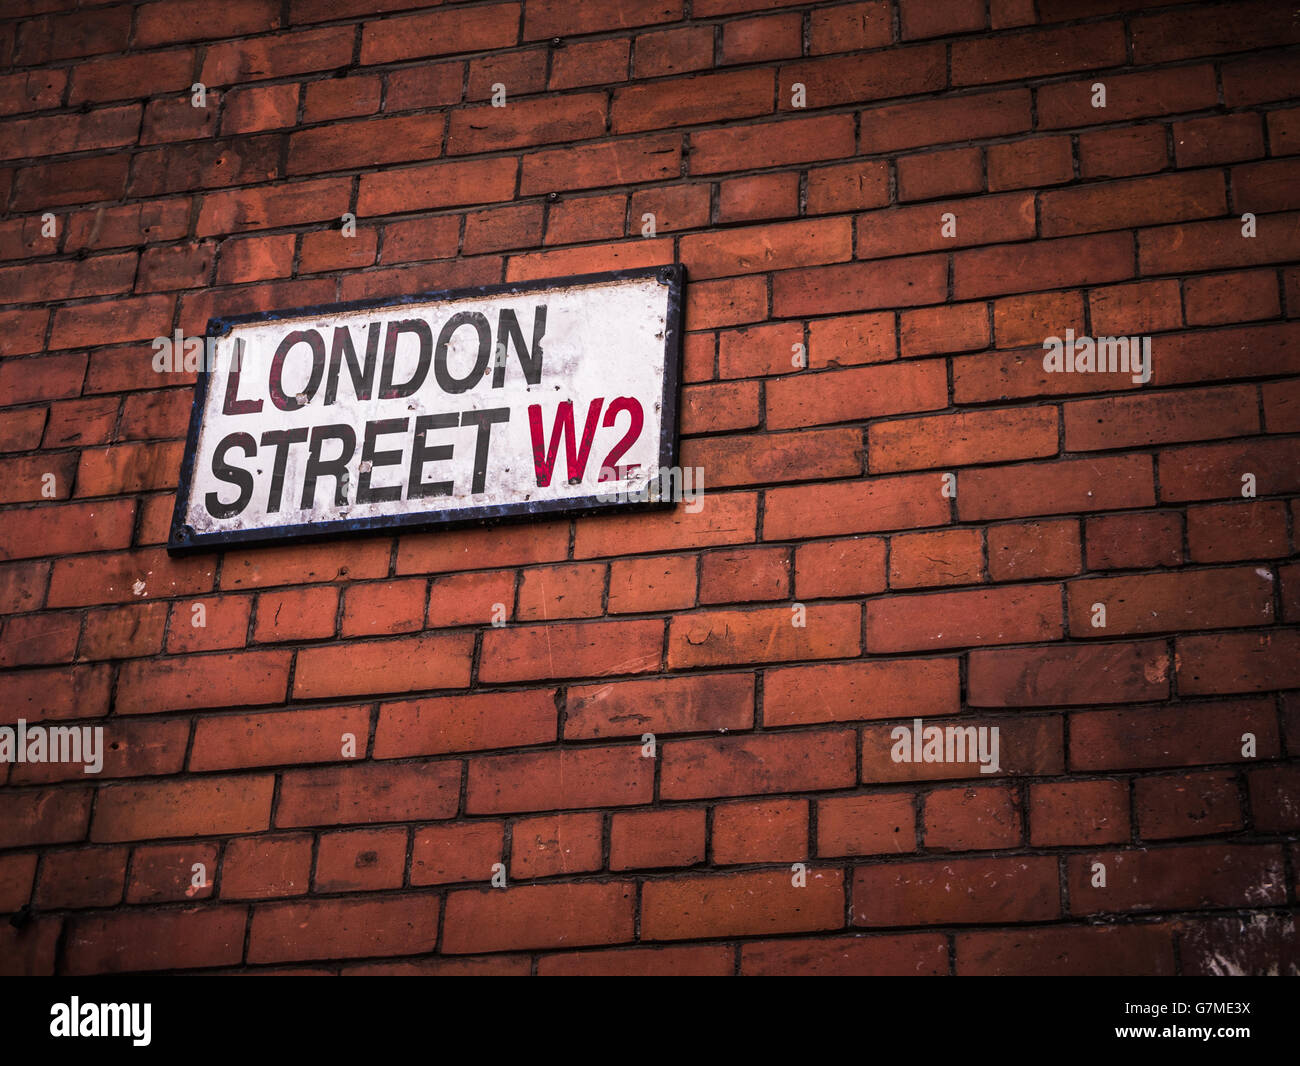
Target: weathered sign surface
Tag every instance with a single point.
(513, 399)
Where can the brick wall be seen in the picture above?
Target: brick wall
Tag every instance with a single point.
(828, 486)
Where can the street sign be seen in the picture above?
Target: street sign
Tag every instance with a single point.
(528, 399)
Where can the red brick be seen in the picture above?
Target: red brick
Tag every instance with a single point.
(1154, 737)
(426, 85)
(1067, 485)
(755, 40)
(574, 590)
(560, 779)
(1006, 615)
(691, 101)
(741, 904)
(1119, 153)
(704, 960)
(1040, 677)
(661, 583)
(51, 529)
(440, 33)
(873, 76)
(790, 140)
(192, 681)
(465, 851)
(1188, 805)
(591, 649)
(919, 19)
(929, 122)
(850, 27)
(587, 219)
(956, 891)
(753, 765)
(402, 664)
(585, 63)
(1215, 471)
(181, 808)
(1188, 599)
(368, 792)
(343, 928)
(848, 956)
(279, 738)
(972, 819)
(465, 723)
(18, 875)
(1075, 951)
(360, 860)
(296, 614)
(225, 625)
(759, 196)
(674, 51)
(1172, 197)
(1210, 31)
(340, 98)
(617, 162)
(544, 120)
(1179, 878)
(957, 440)
(875, 824)
(800, 695)
(648, 839)
(1030, 164)
(538, 916)
(766, 635)
(1034, 549)
(946, 557)
(1128, 96)
(1070, 813)
(863, 505)
(1228, 532)
(166, 873)
(774, 831)
(557, 18)
(446, 184)
(135, 940)
(1221, 299)
(935, 174)
(522, 72)
(123, 632)
(1218, 139)
(556, 844)
(63, 692)
(86, 877)
(1134, 541)
(693, 704)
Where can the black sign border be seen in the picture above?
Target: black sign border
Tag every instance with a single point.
(184, 540)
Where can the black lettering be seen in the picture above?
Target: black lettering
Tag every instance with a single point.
(456, 385)
(363, 378)
(485, 421)
(417, 488)
(389, 391)
(385, 493)
(275, 382)
(231, 404)
(336, 468)
(508, 332)
(280, 439)
(232, 475)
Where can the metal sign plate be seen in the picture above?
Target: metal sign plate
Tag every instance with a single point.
(538, 398)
